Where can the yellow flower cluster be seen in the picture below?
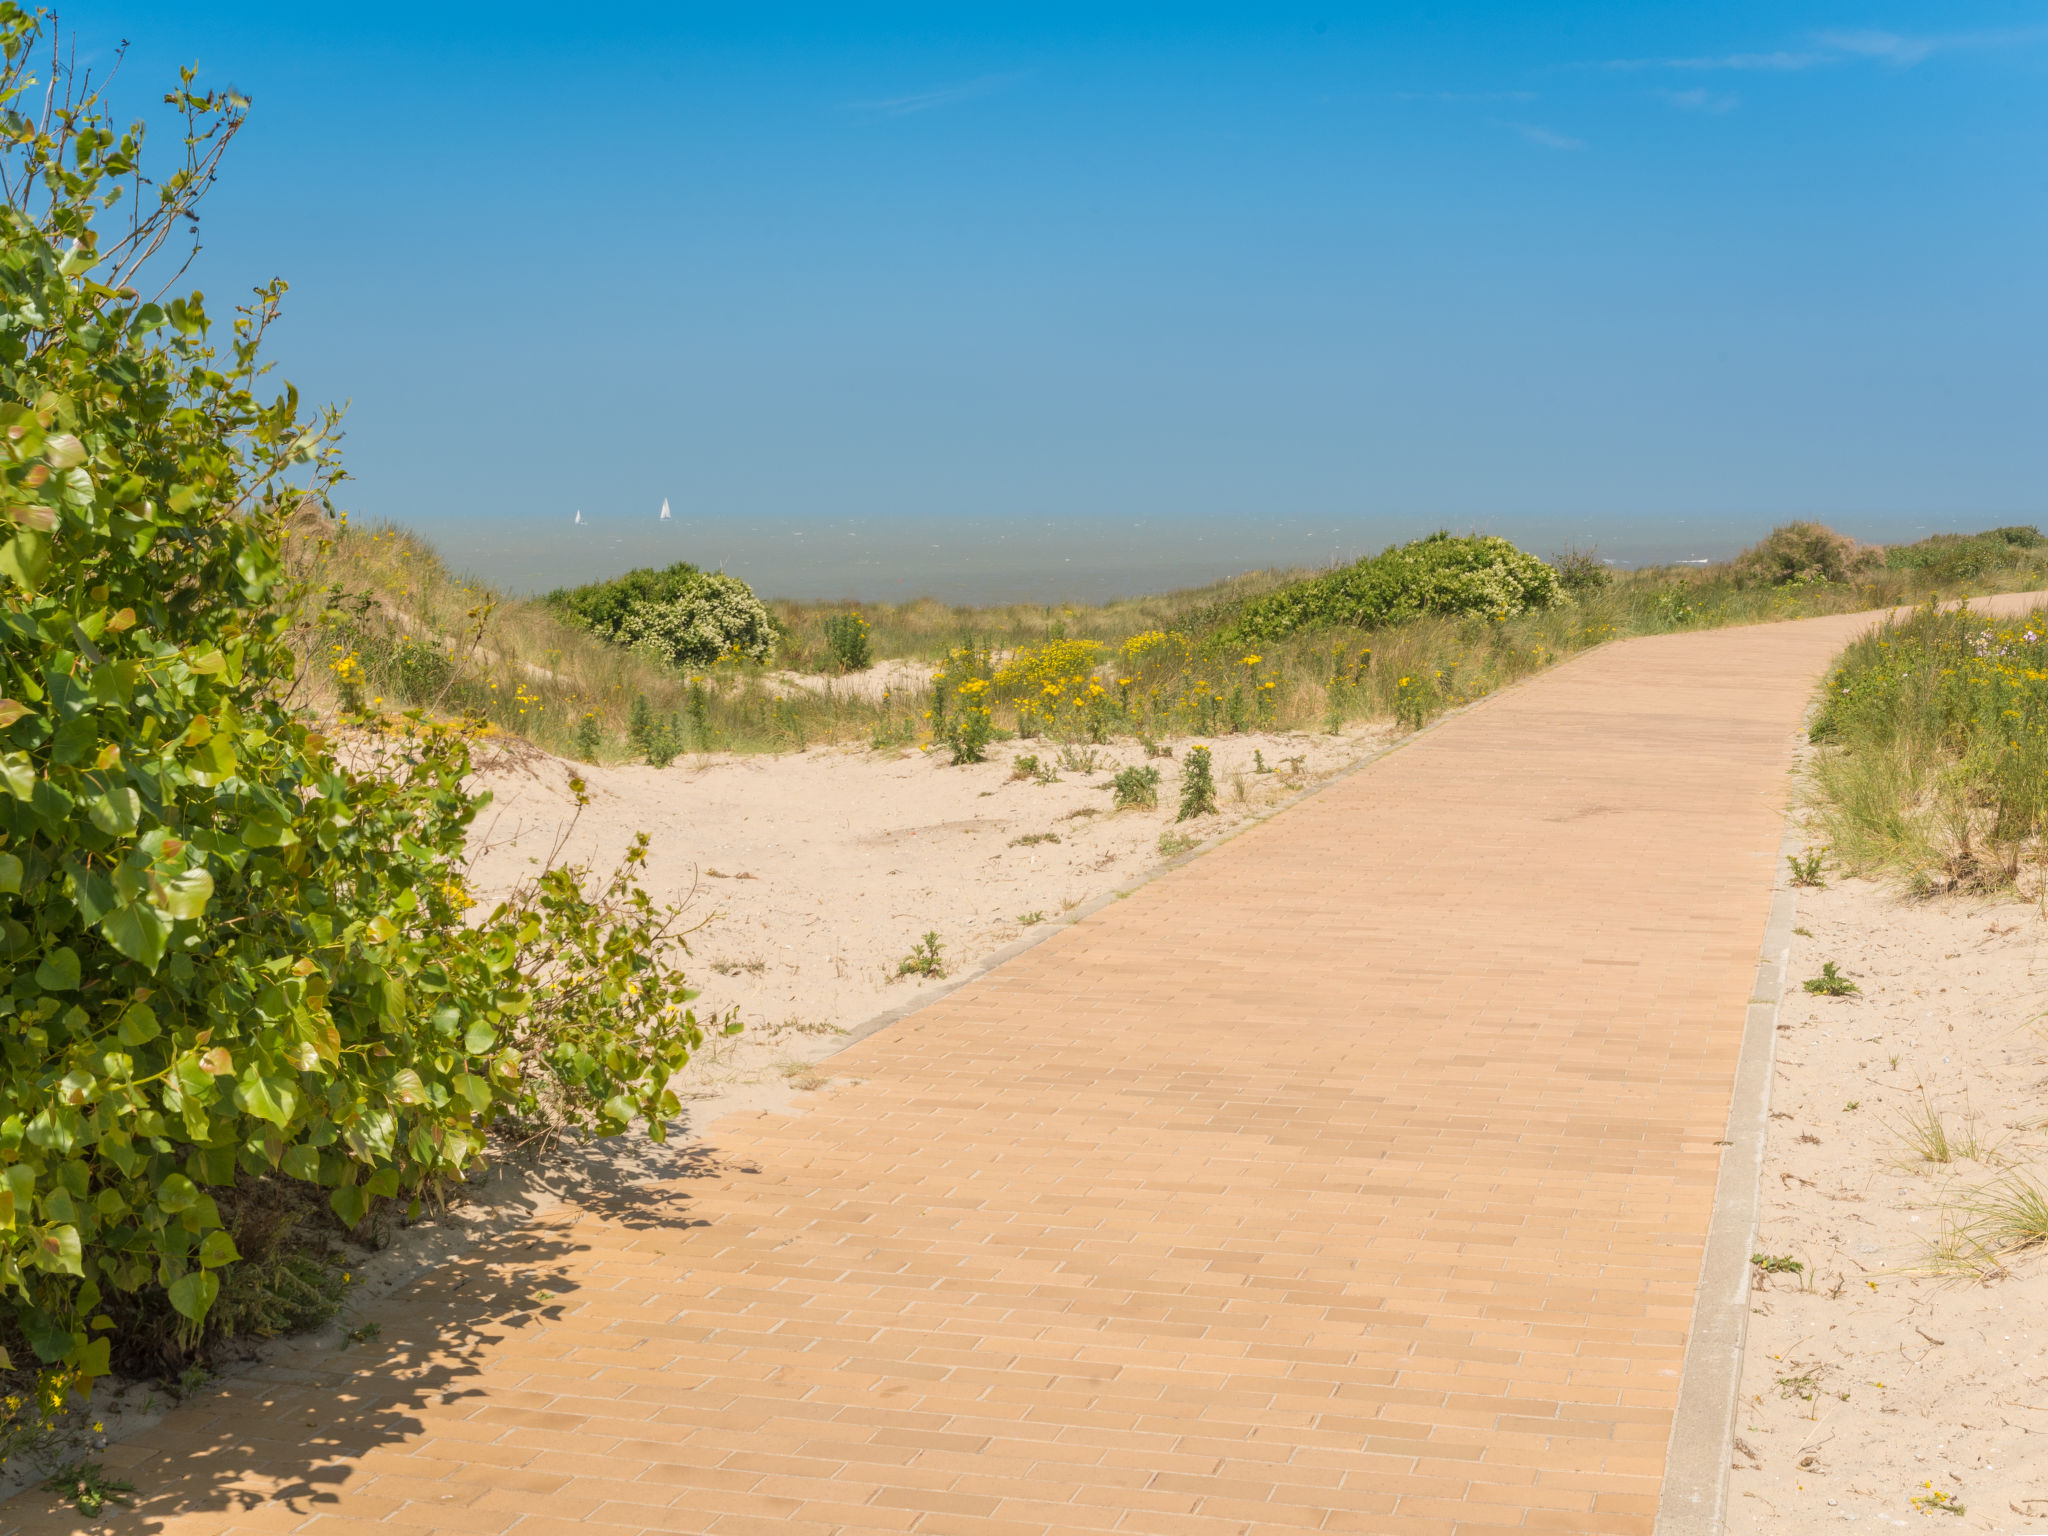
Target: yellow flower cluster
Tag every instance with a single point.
(1036, 669)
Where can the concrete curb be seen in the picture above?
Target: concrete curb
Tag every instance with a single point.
(1694, 1499)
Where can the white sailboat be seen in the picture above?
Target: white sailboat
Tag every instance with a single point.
(579, 514)
(664, 509)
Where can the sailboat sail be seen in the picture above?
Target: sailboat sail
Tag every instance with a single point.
(579, 514)
(664, 509)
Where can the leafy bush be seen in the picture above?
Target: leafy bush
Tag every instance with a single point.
(229, 952)
(1442, 574)
(1581, 572)
(1137, 789)
(852, 642)
(601, 606)
(1803, 554)
(679, 616)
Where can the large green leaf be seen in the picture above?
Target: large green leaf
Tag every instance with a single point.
(116, 810)
(186, 895)
(266, 1097)
(193, 1293)
(18, 775)
(138, 931)
(58, 971)
(26, 559)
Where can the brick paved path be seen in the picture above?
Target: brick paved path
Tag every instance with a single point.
(1352, 1178)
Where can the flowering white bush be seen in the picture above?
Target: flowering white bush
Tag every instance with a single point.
(715, 615)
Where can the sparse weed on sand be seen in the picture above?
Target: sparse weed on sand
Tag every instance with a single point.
(1806, 868)
(1831, 982)
(925, 959)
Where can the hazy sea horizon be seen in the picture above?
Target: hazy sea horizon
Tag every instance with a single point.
(955, 561)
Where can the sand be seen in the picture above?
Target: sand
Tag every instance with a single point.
(1884, 1372)
(814, 874)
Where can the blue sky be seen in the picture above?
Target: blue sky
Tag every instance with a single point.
(1037, 300)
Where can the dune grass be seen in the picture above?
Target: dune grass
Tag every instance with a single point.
(388, 627)
(1934, 760)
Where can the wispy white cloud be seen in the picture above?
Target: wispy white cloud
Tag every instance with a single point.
(1699, 99)
(943, 96)
(1845, 46)
(1781, 61)
(1547, 137)
(1889, 46)
(1465, 96)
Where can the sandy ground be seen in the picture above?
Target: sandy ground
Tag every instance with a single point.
(1883, 1371)
(815, 874)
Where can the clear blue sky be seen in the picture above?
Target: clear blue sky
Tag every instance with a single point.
(1024, 298)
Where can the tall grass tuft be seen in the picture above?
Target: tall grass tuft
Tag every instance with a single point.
(1935, 760)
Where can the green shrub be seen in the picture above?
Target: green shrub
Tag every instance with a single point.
(1137, 789)
(1581, 572)
(662, 741)
(680, 617)
(228, 952)
(1442, 574)
(1803, 554)
(852, 642)
(601, 606)
(1197, 785)
(589, 737)
(423, 671)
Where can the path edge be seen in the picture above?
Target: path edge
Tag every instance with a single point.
(1694, 1497)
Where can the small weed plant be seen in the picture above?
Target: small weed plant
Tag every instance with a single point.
(852, 641)
(1197, 785)
(1173, 844)
(589, 737)
(926, 958)
(1937, 1500)
(1083, 760)
(1033, 839)
(663, 742)
(1831, 982)
(1137, 789)
(1775, 1264)
(1806, 868)
(87, 1488)
(1024, 766)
